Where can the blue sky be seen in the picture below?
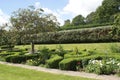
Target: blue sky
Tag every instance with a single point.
(62, 9)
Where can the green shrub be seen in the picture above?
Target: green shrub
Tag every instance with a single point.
(20, 58)
(60, 51)
(85, 60)
(7, 47)
(45, 54)
(68, 64)
(80, 54)
(5, 54)
(106, 66)
(33, 62)
(93, 69)
(54, 62)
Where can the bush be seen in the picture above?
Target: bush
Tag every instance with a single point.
(85, 60)
(5, 54)
(60, 51)
(54, 62)
(68, 64)
(93, 69)
(74, 55)
(20, 58)
(7, 47)
(33, 62)
(107, 66)
(44, 54)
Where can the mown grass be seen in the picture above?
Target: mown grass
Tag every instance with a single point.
(17, 73)
(103, 47)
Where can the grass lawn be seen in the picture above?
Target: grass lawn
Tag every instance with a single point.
(17, 73)
(99, 46)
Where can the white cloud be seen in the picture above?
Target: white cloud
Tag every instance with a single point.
(49, 11)
(37, 5)
(55, 13)
(4, 18)
(73, 8)
(83, 7)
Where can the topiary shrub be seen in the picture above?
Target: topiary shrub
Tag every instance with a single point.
(7, 47)
(20, 58)
(60, 51)
(68, 64)
(33, 62)
(5, 54)
(54, 62)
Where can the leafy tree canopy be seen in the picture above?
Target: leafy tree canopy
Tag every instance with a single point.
(78, 20)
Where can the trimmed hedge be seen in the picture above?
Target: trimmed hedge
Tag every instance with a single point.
(71, 63)
(20, 58)
(54, 62)
(7, 47)
(85, 26)
(100, 34)
(68, 64)
(5, 54)
(81, 54)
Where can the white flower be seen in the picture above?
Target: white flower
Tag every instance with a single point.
(118, 64)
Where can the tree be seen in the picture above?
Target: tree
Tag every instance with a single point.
(67, 23)
(27, 23)
(116, 27)
(7, 37)
(105, 13)
(78, 20)
(91, 18)
(2, 31)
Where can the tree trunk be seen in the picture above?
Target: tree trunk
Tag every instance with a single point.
(32, 48)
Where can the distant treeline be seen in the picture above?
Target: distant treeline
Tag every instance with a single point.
(103, 15)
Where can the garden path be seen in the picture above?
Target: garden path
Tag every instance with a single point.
(70, 73)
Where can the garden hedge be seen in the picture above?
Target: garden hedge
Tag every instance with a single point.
(20, 58)
(68, 64)
(54, 62)
(100, 34)
(71, 63)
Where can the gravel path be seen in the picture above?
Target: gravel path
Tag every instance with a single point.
(70, 73)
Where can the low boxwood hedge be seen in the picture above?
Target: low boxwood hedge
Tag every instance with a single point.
(54, 62)
(20, 58)
(71, 63)
(68, 64)
(7, 47)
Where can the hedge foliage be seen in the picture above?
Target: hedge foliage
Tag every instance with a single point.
(71, 63)
(84, 26)
(54, 62)
(68, 64)
(20, 58)
(100, 34)
(7, 47)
